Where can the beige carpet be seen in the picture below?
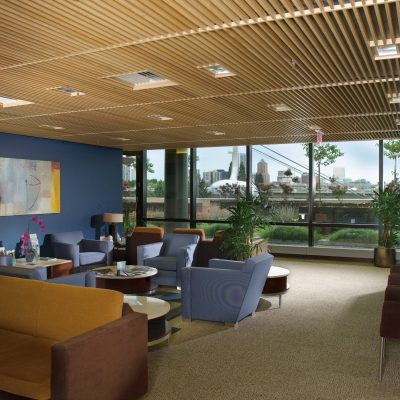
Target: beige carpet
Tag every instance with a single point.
(322, 344)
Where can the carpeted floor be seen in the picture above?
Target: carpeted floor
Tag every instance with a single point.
(322, 344)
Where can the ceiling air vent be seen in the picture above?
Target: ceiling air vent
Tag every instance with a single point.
(143, 80)
(68, 91)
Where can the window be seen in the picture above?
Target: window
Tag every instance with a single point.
(346, 174)
(280, 175)
(129, 191)
(155, 183)
(221, 171)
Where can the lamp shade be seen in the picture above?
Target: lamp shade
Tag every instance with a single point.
(111, 217)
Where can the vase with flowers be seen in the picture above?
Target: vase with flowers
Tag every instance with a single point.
(30, 244)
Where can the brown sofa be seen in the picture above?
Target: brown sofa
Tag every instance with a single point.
(69, 343)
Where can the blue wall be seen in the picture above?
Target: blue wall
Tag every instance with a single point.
(90, 184)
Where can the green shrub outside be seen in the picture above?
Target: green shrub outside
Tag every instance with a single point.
(286, 233)
(355, 236)
(209, 229)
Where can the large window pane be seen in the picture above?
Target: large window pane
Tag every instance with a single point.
(155, 183)
(346, 181)
(345, 237)
(288, 235)
(220, 172)
(129, 192)
(280, 174)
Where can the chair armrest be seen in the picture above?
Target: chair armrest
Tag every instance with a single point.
(109, 362)
(148, 251)
(225, 264)
(184, 258)
(67, 251)
(392, 293)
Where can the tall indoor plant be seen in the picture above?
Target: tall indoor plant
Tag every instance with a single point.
(244, 221)
(386, 204)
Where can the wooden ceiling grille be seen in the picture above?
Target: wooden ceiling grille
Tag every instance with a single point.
(317, 57)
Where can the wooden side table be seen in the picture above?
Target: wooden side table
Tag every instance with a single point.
(55, 266)
(276, 283)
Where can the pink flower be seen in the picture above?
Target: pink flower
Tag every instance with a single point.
(34, 218)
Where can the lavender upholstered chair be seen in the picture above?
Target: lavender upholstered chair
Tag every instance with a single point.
(227, 291)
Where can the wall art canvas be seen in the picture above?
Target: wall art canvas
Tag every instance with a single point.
(29, 186)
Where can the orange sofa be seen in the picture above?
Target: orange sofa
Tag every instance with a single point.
(69, 343)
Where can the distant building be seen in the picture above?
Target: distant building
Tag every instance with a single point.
(305, 176)
(262, 169)
(339, 172)
(282, 178)
(213, 176)
(242, 160)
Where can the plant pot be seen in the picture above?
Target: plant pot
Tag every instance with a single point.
(384, 257)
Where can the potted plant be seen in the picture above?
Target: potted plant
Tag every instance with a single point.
(244, 221)
(386, 204)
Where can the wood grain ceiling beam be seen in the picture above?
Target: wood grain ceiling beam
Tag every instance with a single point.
(223, 26)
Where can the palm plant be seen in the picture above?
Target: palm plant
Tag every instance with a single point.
(244, 221)
(386, 204)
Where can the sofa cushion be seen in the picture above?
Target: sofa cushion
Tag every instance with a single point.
(162, 263)
(19, 302)
(91, 257)
(174, 241)
(57, 319)
(25, 363)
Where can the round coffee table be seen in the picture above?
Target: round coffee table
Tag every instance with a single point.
(156, 310)
(134, 279)
(276, 283)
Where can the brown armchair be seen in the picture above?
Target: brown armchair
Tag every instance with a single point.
(141, 235)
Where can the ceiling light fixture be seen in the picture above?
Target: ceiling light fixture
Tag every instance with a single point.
(6, 102)
(398, 121)
(122, 139)
(394, 98)
(280, 107)
(159, 117)
(314, 127)
(57, 128)
(218, 70)
(142, 80)
(216, 133)
(64, 90)
(387, 51)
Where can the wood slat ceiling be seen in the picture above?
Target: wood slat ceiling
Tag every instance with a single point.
(317, 57)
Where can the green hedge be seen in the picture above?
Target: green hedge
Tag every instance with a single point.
(209, 229)
(355, 236)
(286, 233)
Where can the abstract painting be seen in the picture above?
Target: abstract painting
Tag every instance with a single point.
(29, 186)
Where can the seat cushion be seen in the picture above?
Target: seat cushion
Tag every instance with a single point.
(161, 263)
(25, 364)
(91, 257)
(174, 241)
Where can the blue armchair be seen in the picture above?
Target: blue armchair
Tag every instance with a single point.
(169, 256)
(86, 279)
(227, 291)
(84, 253)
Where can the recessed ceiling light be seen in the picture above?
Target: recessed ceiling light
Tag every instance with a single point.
(9, 102)
(314, 127)
(57, 128)
(143, 80)
(216, 133)
(218, 70)
(387, 51)
(397, 121)
(68, 91)
(122, 139)
(159, 117)
(394, 98)
(280, 107)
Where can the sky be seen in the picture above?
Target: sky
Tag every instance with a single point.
(360, 160)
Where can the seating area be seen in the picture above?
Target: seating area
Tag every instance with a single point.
(199, 199)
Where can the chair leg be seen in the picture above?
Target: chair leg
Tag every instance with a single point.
(232, 325)
(382, 357)
(253, 314)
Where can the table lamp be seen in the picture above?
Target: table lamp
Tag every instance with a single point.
(113, 220)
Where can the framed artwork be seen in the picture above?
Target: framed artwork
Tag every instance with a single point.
(29, 186)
